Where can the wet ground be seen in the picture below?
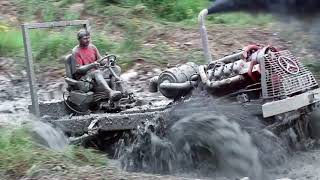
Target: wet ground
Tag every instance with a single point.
(300, 165)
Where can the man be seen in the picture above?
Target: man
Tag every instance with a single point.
(87, 67)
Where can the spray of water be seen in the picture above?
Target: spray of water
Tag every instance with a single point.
(205, 137)
(49, 136)
(43, 133)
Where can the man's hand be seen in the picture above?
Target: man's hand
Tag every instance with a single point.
(96, 64)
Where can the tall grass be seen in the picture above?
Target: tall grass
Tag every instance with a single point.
(19, 154)
(47, 46)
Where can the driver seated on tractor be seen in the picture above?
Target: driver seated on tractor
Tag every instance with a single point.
(86, 56)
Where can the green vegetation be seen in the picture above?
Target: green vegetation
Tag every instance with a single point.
(136, 20)
(48, 47)
(241, 19)
(20, 156)
(171, 10)
(50, 10)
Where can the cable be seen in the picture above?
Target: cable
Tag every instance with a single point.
(72, 109)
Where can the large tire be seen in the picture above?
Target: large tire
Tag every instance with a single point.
(314, 120)
(222, 140)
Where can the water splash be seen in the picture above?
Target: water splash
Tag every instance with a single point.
(49, 136)
(202, 137)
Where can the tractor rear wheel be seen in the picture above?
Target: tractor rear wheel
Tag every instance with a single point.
(222, 141)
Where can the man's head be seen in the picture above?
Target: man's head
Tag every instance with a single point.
(83, 37)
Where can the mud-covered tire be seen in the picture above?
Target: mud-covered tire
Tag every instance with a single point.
(314, 125)
(228, 144)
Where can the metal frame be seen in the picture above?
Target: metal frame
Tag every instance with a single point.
(28, 53)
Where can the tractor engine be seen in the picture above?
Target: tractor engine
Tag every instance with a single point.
(262, 71)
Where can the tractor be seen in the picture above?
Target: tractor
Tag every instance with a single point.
(249, 100)
(284, 91)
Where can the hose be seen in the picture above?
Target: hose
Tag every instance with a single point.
(72, 109)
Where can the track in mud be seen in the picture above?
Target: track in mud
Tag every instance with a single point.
(205, 137)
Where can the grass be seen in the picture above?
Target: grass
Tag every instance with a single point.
(20, 156)
(241, 19)
(134, 19)
(47, 46)
(48, 51)
(50, 10)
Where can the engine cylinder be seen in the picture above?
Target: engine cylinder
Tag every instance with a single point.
(179, 74)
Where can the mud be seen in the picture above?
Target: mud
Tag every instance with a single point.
(202, 138)
(277, 160)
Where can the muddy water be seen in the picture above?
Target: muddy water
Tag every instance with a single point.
(203, 138)
(169, 151)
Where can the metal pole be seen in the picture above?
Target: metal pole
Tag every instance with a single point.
(30, 70)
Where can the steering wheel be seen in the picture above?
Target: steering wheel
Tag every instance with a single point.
(111, 60)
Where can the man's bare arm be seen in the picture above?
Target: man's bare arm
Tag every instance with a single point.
(85, 68)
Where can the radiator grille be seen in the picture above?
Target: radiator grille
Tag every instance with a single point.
(285, 75)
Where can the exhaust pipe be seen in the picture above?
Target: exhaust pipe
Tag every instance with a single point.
(204, 35)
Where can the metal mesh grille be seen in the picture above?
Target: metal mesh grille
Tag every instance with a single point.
(285, 79)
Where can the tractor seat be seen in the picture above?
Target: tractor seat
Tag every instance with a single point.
(74, 84)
